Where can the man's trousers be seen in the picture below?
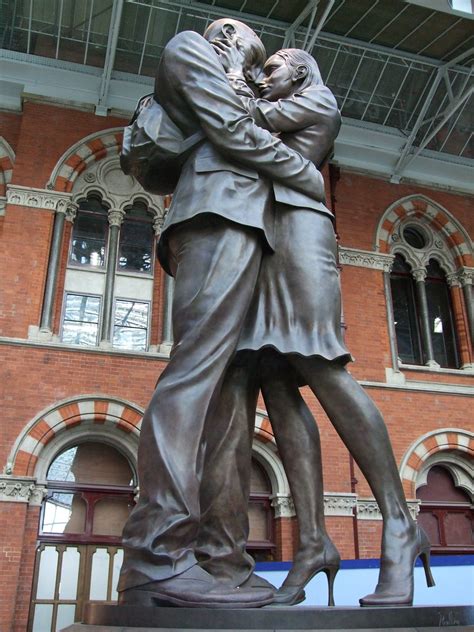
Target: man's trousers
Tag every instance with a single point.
(215, 264)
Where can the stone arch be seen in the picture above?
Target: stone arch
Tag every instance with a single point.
(430, 448)
(7, 161)
(62, 422)
(79, 156)
(437, 217)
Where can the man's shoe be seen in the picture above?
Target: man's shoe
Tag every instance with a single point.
(255, 581)
(195, 589)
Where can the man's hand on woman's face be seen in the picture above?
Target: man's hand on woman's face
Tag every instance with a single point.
(231, 55)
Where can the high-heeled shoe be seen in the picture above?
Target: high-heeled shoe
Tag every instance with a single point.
(290, 594)
(398, 589)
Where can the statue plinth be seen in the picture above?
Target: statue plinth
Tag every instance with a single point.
(100, 617)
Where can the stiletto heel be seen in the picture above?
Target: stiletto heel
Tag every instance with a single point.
(396, 585)
(331, 573)
(290, 594)
(425, 558)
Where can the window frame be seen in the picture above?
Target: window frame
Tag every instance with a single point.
(136, 273)
(88, 267)
(148, 328)
(99, 322)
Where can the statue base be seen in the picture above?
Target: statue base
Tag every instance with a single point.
(100, 617)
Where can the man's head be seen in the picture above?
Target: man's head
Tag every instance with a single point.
(234, 32)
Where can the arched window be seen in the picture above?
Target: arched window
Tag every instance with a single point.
(90, 490)
(89, 234)
(446, 513)
(410, 312)
(405, 312)
(441, 316)
(261, 543)
(423, 316)
(109, 280)
(136, 241)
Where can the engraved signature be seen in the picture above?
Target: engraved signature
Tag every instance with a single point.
(450, 619)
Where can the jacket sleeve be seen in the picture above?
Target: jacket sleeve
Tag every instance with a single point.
(193, 68)
(313, 106)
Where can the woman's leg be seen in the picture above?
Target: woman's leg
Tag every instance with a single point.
(297, 437)
(361, 426)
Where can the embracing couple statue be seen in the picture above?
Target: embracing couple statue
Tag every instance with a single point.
(251, 246)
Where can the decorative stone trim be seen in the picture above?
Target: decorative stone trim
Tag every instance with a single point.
(283, 506)
(21, 490)
(64, 417)
(443, 439)
(3, 203)
(365, 259)
(339, 504)
(38, 198)
(368, 509)
(450, 241)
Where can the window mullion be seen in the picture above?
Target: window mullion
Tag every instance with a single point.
(115, 221)
(68, 211)
(422, 301)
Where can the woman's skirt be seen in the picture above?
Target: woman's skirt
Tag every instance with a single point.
(296, 307)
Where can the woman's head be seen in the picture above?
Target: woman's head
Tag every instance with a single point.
(288, 71)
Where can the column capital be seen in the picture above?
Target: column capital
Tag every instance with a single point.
(453, 279)
(69, 209)
(419, 274)
(158, 222)
(466, 276)
(15, 489)
(283, 506)
(116, 217)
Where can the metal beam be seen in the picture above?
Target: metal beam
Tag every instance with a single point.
(101, 107)
(407, 154)
(290, 32)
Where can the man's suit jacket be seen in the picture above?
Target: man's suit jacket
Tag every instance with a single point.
(229, 175)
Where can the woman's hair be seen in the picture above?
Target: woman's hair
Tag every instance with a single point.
(295, 57)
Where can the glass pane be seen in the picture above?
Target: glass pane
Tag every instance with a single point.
(136, 244)
(441, 323)
(405, 321)
(43, 617)
(258, 517)
(84, 334)
(89, 236)
(131, 324)
(95, 463)
(65, 616)
(110, 515)
(69, 573)
(117, 565)
(81, 318)
(64, 513)
(48, 568)
(99, 575)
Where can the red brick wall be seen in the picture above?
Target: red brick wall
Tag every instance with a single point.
(25, 235)
(34, 377)
(12, 528)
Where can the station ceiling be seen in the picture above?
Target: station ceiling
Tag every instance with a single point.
(404, 65)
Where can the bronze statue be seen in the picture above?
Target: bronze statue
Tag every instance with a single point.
(219, 223)
(294, 323)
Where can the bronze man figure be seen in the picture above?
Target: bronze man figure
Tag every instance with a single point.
(220, 220)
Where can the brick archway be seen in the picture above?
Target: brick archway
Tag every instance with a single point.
(442, 440)
(88, 150)
(122, 416)
(421, 207)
